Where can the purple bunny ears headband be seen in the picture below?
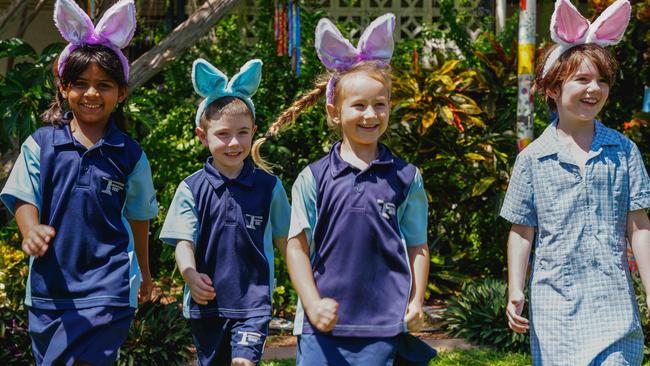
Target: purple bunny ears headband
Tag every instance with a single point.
(337, 53)
(114, 30)
(569, 28)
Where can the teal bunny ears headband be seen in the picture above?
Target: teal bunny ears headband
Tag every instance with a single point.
(213, 84)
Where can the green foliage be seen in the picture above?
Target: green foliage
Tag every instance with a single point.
(643, 311)
(449, 121)
(479, 315)
(25, 90)
(15, 345)
(158, 336)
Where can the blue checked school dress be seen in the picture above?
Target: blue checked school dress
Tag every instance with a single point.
(582, 305)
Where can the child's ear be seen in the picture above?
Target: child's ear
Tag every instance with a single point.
(201, 134)
(332, 113)
(64, 91)
(254, 129)
(122, 93)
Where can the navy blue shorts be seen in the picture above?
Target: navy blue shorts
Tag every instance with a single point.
(219, 340)
(322, 349)
(92, 335)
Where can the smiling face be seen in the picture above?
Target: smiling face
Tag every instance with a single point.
(93, 96)
(362, 110)
(582, 95)
(229, 138)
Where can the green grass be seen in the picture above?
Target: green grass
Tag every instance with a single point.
(471, 357)
(480, 357)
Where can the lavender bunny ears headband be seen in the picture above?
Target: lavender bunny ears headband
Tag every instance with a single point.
(337, 53)
(114, 30)
(569, 28)
(213, 84)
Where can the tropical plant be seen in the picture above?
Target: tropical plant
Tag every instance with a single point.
(26, 90)
(158, 336)
(479, 315)
(15, 345)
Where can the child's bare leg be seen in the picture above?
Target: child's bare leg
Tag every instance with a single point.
(241, 362)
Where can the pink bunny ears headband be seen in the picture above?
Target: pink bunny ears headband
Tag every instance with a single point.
(569, 28)
(337, 53)
(114, 30)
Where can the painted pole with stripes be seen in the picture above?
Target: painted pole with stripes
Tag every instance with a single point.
(525, 72)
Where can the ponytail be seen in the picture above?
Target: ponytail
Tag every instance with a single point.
(286, 119)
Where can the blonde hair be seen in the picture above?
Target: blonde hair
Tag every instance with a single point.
(374, 69)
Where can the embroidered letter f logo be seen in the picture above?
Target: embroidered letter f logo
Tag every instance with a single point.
(112, 186)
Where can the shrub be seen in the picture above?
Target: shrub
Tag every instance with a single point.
(158, 336)
(479, 315)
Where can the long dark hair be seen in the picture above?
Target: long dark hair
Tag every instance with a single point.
(80, 59)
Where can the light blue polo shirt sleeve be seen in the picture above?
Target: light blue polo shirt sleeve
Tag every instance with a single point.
(280, 211)
(303, 205)
(141, 201)
(24, 180)
(413, 213)
(519, 204)
(181, 222)
(639, 181)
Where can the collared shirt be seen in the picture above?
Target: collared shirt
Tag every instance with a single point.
(359, 225)
(232, 224)
(86, 195)
(582, 300)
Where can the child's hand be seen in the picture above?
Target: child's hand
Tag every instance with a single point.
(200, 286)
(38, 239)
(513, 312)
(414, 317)
(144, 294)
(323, 314)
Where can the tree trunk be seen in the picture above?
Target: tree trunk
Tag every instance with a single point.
(180, 39)
(13, 7)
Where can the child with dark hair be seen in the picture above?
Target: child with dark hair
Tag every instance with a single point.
(83, 196)
(224, 220)
(579, 193)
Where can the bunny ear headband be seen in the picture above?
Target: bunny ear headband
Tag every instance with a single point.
(569, 28)
(114, 30)
(212, 84)
(337, 53)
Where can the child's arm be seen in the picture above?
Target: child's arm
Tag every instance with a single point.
(36, 236)
(419, 262)
(520, 241)
(140, 229)
(638, 234)
(322, 312)
(200, 284)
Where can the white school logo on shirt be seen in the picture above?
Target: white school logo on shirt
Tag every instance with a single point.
(248, 338)
(112, 186)
(253, 222)
(387, 209)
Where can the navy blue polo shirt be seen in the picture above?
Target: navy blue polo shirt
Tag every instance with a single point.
(232, 224)
(358, 225)
(87, 196)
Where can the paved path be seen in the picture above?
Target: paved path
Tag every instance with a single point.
(283, 353)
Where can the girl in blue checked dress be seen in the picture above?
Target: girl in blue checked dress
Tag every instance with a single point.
(82, 194)
(579, 192)
(357, 251)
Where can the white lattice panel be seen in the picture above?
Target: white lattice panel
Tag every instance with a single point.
(356, 14)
